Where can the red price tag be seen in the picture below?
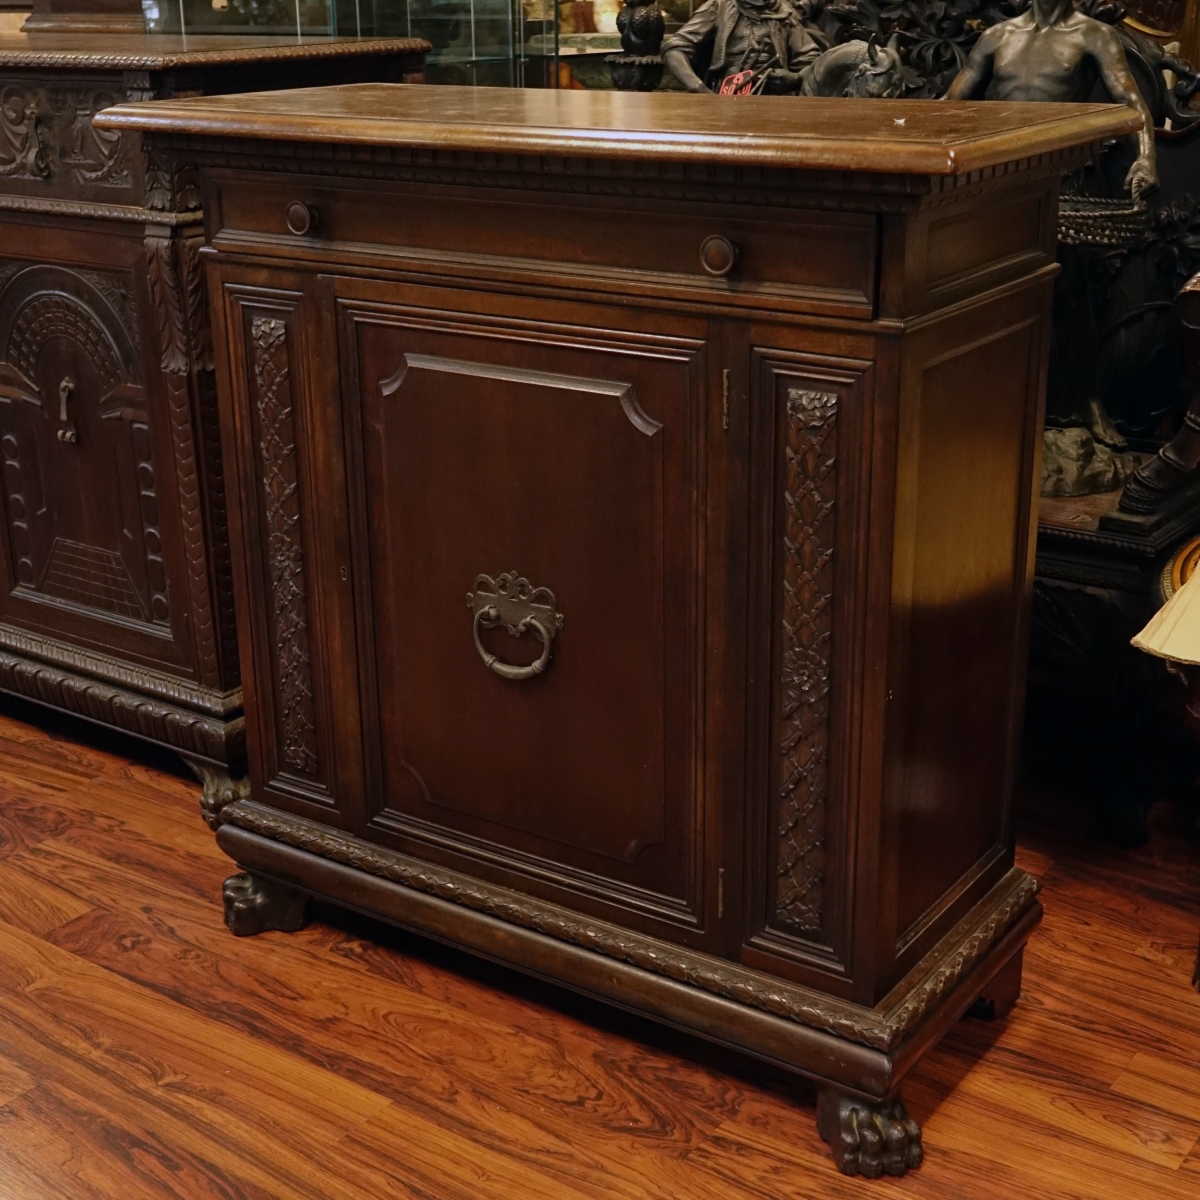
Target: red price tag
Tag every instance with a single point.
(737, 85)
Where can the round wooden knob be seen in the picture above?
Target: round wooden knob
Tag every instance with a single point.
(718, 255)
(301, 218)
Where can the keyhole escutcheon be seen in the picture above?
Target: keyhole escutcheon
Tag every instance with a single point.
(67, 431)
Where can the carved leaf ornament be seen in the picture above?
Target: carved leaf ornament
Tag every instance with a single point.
(810, 484)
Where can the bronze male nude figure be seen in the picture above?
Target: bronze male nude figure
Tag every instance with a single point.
(1052, 52)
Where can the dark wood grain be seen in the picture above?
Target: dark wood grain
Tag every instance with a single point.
(922, 136)
(145, 1053)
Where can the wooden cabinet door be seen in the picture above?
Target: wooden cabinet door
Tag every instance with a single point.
(85, 500)
(547, 465)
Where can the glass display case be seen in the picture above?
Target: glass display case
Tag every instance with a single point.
(506, 43)
(498, 43)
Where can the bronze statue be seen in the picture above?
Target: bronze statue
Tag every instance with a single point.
(1052, 52)
(725, 38)
(1162, 479)
(859, 69)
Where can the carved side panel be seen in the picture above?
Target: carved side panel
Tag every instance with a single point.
(185, 355)
(801, 772)
(281, 507)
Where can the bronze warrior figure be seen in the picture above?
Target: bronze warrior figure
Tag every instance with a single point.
(726, 37)
(1052, 52)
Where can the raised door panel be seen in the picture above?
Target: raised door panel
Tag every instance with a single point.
(87, 514)
(535, 495)
(961, 574)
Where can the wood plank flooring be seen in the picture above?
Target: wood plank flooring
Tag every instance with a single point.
(146, 1053)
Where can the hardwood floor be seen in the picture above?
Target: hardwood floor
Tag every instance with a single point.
(145, 1052)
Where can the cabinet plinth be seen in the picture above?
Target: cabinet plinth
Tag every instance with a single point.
(631, 501)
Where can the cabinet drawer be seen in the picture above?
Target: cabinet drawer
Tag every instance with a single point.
(772, 258)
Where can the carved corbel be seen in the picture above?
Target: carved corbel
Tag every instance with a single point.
(219, 789)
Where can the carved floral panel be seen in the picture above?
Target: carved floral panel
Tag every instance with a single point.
(805, 545)
(285, 558)
(47, 139)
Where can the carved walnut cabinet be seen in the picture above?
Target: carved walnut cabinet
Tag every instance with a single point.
(631, 510)
(116, 601)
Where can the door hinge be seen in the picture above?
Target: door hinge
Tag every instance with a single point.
(725, 398)
(720, 893)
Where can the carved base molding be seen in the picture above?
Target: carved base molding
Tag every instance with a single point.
(882, 1028)
(221, 705)
(143, 716)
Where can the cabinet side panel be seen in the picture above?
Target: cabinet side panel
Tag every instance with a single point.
(968, 426)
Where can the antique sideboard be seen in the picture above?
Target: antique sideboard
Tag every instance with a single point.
(631, 505)
(116, 601)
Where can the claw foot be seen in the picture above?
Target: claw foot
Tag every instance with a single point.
(254, 905)
(870, 1139)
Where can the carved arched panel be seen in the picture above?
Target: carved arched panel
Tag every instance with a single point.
(76, 447)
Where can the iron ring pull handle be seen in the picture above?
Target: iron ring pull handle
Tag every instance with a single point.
(507, 670)
(512, 601)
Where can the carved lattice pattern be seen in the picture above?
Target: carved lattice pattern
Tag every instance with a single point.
(809, 489)
(277, 444)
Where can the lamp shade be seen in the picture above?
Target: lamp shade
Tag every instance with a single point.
(1174, 631)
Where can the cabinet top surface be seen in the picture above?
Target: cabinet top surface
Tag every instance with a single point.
(923, 137)
(162, 51)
